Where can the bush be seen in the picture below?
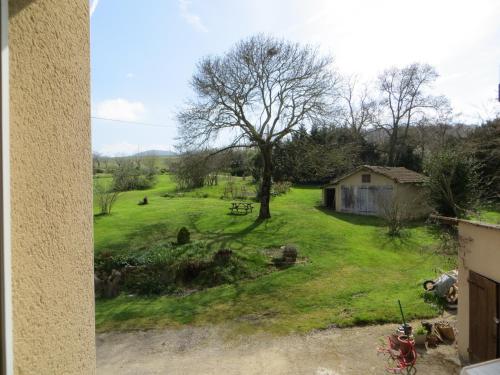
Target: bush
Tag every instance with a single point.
(166, 268)
(281, 187)
(290, 253)
(132, 175)
(223, 256)
(183, 236)
(197, 169)
(454, 183)
(395, 213)
(105, 195)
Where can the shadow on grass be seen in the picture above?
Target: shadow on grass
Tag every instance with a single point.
(141, 239)
(221, 239)
(403, 240)
(307, 187)
(352, 218)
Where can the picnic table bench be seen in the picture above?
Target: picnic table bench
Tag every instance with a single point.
(241, 208)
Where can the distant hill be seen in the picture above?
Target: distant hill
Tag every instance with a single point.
(155, 153)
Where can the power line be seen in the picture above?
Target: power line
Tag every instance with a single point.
(133, 122)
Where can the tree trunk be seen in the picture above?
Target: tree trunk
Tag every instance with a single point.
(265, 188)
(393, 140)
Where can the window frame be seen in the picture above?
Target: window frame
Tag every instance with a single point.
(6, 325)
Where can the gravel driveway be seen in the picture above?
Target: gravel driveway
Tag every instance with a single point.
(203, 350)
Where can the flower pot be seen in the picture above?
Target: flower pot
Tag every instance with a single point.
(405, 344)
(405, 329)
(420, 339)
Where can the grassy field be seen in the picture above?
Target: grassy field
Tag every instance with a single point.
(488, 214)
(354, 272)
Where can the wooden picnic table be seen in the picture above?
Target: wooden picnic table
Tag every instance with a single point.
(241, 207)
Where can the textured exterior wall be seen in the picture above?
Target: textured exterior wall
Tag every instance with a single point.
(52, 251)
(412, 195)
(416, 198)
(479, 252)
(355, 180)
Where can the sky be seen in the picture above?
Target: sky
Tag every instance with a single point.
(143, 54)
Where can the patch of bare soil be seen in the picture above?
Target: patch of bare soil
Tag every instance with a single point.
(203, 350)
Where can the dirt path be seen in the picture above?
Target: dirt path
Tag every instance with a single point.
(197, 350)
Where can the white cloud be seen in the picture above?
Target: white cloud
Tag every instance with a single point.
(93, 6)
(125, 148)
(459, 37)
(130, 75)
(191, 18)
(120, 109)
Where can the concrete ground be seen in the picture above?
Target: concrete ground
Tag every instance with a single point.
(203, 350)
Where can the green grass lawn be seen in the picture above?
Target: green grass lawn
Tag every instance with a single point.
(488, 214)
(354, 272)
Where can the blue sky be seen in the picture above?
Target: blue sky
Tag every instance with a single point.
(145, 52)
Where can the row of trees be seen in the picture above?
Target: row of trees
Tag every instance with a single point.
(127, 173)
(265, 93)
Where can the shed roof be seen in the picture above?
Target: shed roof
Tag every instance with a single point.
(400, 175)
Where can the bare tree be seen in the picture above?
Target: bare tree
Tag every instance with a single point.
(257, 94)
(395, 211)
(197, 169)
(359, 108)
(405, 103)
(105, 195)
(96, 162)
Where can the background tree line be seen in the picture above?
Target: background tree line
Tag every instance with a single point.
(283, 113)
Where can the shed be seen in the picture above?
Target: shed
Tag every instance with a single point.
(368, 190)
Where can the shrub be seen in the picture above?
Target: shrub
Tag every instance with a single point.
(223, 256)
(105, 196)
(197, 169)
(133, 175)
(105, 262)
(147, 280)
(281, 187)
(454, 183)
(395, 213)
(166, 268)
(289, 254)
(183, 236)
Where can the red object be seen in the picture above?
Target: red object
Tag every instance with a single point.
(402, 354)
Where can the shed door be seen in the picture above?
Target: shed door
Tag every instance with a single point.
(483, 318)
(330, 198)
(362, 199)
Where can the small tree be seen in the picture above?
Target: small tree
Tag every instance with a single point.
(97, 161)
(105, 195)
(453, 182)
(394, 211)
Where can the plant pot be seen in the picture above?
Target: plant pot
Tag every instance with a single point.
(405, 329)
(420, 339)
(405, 344)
